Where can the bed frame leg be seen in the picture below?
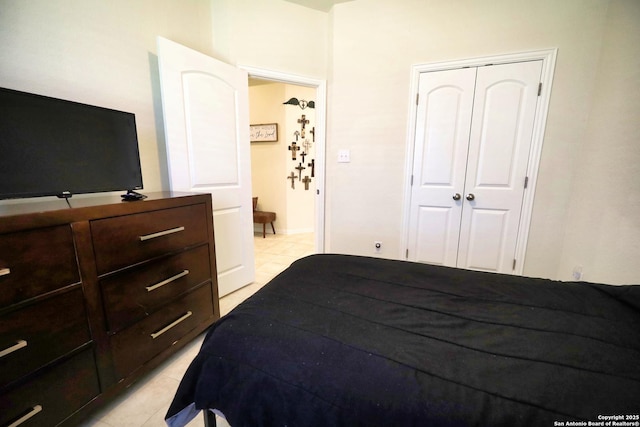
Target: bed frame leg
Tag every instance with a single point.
(209, 418)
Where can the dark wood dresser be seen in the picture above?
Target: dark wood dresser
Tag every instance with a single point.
(95, 295)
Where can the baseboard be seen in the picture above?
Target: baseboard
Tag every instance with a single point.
(258, 229)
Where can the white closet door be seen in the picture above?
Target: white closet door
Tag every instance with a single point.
(500, 140)
(473, 136)
(441, 145)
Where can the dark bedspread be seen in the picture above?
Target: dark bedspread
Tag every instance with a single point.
(341, 340)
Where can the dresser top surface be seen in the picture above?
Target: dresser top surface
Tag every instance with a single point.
(40, 213)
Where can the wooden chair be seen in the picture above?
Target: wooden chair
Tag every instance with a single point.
(261, 217)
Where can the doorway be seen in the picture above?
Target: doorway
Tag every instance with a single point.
(318, 91)
(189, 81)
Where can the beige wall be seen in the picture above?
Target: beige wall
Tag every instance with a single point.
(585, 212)
(300, 202)
(271, 162)
(102, 53)
(268, 158)
(603, 221)
(375, 43)
(271, 34)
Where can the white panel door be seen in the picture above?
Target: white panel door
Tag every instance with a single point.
(206, 117)
(441, 145)
(473, 134)
(500, 141)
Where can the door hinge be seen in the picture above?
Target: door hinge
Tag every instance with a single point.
(406, 254)
(317, 192)
(514, 264)
(411, 181)
(526, 181)
(539, 88)
(417, 98)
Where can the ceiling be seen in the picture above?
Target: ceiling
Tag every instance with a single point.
(322, 5)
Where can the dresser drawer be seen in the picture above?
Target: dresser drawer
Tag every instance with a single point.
(131, 295)
(53, 396)
(138, 344)
(126, 240)
(35, 262)
(35, 335)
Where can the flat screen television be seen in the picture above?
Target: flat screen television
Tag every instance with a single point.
(55, 147)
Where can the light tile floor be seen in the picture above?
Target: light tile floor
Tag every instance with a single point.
(146, 403)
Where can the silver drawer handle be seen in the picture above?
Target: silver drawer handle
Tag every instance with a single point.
(24, 418)
(167, 281)
(5, 271)
(7, 351)
(171, 325)
(161, 233)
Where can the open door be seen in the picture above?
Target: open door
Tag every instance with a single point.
(206, 117)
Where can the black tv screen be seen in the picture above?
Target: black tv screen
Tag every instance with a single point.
(51, 146)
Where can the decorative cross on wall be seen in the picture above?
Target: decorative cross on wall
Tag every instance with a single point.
(306, 181)
(313, 133)
(306, 145)
(300, 168)
(293, 148)
(304, 122)
(292, 177)
(312, 165)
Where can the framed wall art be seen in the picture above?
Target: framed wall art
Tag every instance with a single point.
(264, 132)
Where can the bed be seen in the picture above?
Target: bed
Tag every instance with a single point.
(339, 340)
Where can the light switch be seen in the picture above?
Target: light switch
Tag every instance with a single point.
(344, 156)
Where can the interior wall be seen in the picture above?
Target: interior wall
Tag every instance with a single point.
(279, 36)
(374, 45)
(271, 34)
(101, 53)
(603, 222)
(300, 201)
(271, 162)
(267, 159)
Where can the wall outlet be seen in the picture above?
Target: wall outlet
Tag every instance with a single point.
(344, 156)
(577, 272)
(377, 247)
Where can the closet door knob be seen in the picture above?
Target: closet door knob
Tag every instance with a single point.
(457, 196)
(470, 197)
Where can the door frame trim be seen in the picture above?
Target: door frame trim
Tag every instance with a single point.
(548, 57)
(320, 136)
